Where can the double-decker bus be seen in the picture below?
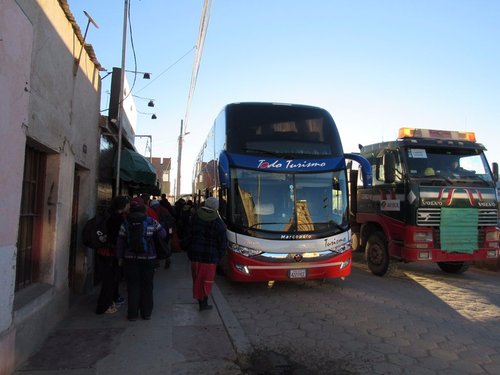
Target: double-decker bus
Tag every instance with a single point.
(279, 172)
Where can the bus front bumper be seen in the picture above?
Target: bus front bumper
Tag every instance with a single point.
(247, 269)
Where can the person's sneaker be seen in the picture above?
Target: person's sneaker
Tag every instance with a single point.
(111, 310)
(119, 301)
(204, 305)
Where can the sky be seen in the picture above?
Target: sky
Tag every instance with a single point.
(375, 66)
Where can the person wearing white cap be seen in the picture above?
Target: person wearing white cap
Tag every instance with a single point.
(207, 246)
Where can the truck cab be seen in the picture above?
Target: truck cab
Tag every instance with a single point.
(433, 199)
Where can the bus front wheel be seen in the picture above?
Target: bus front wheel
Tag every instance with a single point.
(377, 255)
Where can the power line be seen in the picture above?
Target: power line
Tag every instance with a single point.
(205, 17)
(167, 69)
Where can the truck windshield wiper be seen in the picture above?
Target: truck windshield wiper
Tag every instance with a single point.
(465, 179)
(434, 178)
(441, 177)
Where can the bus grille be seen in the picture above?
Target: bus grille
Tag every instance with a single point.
(431, 217)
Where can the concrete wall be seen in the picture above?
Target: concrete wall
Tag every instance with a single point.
(46, 105)
(15, 62)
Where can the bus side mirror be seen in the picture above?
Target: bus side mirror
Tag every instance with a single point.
(366, 168)
(495, 171)
(389, 168)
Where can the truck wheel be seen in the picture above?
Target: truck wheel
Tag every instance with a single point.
(454, 267)
(377, 255)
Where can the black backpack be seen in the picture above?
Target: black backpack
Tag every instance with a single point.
(95, 232)
(136, 234)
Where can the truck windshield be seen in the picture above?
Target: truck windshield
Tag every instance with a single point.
(452, 164)
(284, 202)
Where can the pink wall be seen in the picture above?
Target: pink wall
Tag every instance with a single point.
(15, 58)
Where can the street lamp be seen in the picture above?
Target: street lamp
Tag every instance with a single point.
(153, 116)
(146, 75)
(151, 102)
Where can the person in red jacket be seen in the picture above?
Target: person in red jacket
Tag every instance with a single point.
(149, 210)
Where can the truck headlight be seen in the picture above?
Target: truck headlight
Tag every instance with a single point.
(492, 235)
(422, 236)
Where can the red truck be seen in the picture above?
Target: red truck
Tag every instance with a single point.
(433, 199)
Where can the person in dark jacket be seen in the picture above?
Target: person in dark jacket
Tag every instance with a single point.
(207, 245)
(106, 257)
(139, 258)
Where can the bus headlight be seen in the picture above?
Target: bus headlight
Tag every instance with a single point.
(342, 248)
(344, 264)
(243, 250)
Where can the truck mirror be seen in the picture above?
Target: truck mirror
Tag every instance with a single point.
(389, 168)
(495, 171)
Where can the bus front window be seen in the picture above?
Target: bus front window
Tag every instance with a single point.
(321, 200)
(281, 202)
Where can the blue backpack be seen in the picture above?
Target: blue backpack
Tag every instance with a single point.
(136, 232)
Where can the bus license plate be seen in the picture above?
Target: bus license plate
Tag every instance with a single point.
(297, 274)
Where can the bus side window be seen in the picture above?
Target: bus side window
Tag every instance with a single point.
(223, 203)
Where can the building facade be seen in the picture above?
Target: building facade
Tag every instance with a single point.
(162, 167)
(49, 145)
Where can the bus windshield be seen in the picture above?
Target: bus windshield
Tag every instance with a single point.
(291, 203)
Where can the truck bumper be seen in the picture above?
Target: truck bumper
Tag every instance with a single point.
(438, 255)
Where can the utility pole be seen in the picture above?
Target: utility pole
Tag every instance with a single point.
(179, 163)
(150, 146)
(120, 102)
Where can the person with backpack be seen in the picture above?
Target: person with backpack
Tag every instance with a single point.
(167, 221)
(136, 251)
(106, 256)
(206, 246)
(101, 233)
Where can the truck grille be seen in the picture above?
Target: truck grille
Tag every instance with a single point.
(431, 217)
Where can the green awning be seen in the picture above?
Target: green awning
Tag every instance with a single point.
(136, 168)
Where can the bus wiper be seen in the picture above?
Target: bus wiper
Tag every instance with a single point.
(265, 223)
(267, 152)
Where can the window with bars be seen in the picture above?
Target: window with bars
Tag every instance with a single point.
(29, 235)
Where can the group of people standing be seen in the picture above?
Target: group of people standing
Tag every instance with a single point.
(134, 226)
